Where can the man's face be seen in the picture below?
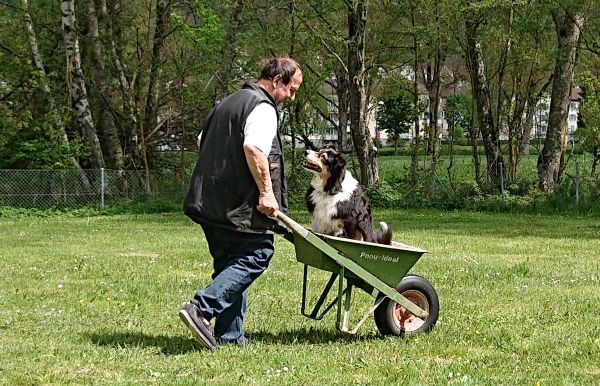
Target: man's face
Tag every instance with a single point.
(283, 92)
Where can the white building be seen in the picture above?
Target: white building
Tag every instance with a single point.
(540, 117)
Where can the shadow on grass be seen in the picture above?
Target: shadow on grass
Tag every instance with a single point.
(178, 345)
(168, 345)
(305, 336)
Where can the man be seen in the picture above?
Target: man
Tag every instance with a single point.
(236, 191)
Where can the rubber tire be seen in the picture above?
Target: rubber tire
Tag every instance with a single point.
(385, 315)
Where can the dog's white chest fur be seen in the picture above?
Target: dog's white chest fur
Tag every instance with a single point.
(326, 205)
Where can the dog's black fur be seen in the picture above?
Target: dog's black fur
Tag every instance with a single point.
(352, 208)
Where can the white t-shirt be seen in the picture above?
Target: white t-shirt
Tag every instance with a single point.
(260, 128)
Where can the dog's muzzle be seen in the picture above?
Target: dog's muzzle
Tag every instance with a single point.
(311, 166)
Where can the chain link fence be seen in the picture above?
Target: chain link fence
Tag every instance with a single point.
(68, 188)
(451, 182)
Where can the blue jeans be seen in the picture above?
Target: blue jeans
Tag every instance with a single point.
(238, 259)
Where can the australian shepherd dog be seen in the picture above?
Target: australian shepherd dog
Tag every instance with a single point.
(336, 201)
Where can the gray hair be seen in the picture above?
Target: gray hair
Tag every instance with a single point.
(285, 67)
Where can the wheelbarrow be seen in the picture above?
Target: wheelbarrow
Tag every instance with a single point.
(404, 304)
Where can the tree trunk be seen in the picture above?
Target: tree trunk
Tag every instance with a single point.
(568, 29)
(39, 64)
(525, 133)
(228, 52)
(481, 93)
(596, 161)
(415, 94)
(160, 32)
(451, 156)
(531, 102)
(361, 137)
(432, 81)
(501, 71)
(112, 144)
(474, 134)
(434, 107)
(519, 127)
(151, 111)
(129, 106)
(76, 84)
(341, 90)
(295, 111)
(515, 114)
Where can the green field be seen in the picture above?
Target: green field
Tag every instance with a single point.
(94, 300)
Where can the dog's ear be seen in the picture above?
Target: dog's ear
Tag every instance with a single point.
(337, 172)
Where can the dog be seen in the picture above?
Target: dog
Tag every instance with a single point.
(336, 201)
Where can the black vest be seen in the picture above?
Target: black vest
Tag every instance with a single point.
(222, 190)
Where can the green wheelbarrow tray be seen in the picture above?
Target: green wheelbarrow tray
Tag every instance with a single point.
(375, 268)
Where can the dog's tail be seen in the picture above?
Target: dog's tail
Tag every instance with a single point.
(384, 235)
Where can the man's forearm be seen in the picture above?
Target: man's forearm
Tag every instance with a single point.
(258, 163)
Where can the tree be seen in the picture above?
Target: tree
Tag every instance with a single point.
(568, 23)
(76, 85)
(482, 96)
(112, 144)
(361, 138)
(395, 115)
(588, 131)
(458, 112)
(228, 51)
(39, 64)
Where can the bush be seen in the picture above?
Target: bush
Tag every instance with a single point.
(499, 203)
(384, 195)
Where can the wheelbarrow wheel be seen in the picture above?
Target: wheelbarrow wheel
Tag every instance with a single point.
(393, 319)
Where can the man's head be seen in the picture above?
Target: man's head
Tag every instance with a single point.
(281, 77)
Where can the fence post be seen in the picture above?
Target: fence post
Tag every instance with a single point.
(101, 188)
(576, 182)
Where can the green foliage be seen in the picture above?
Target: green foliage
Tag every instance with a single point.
(32, 140)
(384, 195)
(210, 31)
(32, 130)
(396, 113)
(588, 130)
(459, 112)
(139, 206)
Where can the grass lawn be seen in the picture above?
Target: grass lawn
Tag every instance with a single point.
(95, 301)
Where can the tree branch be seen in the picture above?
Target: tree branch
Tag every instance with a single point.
(323, 115)
(331, 51)
(6, 48)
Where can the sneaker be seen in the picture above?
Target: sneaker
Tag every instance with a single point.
(200, 327)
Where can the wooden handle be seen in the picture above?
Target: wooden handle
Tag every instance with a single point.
(293, 225)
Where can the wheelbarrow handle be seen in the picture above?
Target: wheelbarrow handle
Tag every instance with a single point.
(293, 225)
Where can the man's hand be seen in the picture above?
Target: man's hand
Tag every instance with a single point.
(267, 204)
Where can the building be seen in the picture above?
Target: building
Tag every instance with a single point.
(540, 118)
